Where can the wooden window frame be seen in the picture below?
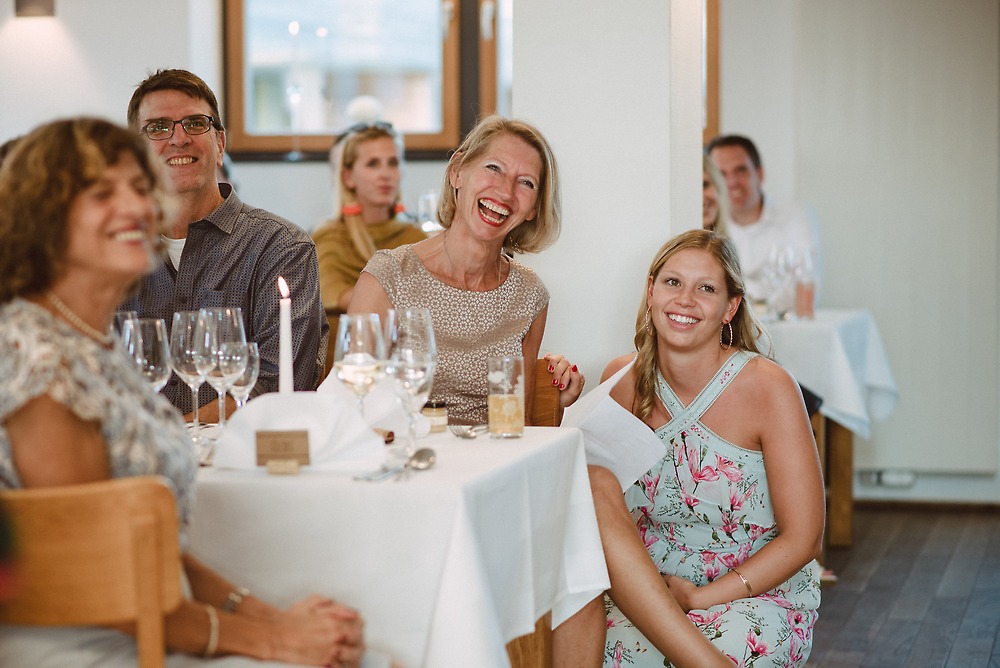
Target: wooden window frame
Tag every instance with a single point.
(240, 143)
(711, 128)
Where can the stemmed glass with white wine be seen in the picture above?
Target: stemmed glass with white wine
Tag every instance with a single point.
(221, 350)
(145, 340)
(244, 383)
(359, 353)
(183, 352)
(411, 357)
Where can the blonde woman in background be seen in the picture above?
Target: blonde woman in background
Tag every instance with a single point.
(367, 163)
(715, 198)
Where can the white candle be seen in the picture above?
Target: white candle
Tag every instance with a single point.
(285, 376)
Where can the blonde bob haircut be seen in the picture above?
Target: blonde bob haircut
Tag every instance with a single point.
(531, 236)
(747, 330)
(40, 180)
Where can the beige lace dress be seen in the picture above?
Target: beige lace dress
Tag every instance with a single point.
(469, 326)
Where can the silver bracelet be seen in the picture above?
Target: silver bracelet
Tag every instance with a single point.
(213, 632)
(235, 597)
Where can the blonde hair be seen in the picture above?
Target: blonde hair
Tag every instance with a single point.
(343, 155)
(747, 330)
(39, 182)
(533, 235)
(719, 225)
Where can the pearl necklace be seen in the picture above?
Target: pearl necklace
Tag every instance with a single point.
(444, 242)
(75, 320)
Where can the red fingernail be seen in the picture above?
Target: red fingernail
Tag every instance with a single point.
(562, 387)
(574, 368)
(555, 382)
(551, 368)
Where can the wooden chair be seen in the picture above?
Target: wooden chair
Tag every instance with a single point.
(545, 408)
(95, 554)
(535, 649)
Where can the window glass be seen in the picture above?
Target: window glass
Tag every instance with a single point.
(305, 62)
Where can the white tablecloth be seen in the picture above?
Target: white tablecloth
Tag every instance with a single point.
(445, 567)
(839, 355)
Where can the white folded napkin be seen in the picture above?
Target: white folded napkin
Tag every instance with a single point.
(383, 408)
(339, 437)
(612, 436)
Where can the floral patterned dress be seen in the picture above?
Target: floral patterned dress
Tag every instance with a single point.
(703, 510)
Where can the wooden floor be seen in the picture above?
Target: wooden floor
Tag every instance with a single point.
(918, 588)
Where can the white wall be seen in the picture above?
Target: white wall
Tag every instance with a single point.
(884, 116)
(596, 78)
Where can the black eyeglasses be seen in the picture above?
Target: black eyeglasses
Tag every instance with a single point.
(163, 128)
(361, 127)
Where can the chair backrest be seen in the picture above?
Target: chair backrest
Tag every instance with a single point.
(546, 410)
(94, 554)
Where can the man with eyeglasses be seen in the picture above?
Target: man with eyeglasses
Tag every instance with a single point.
(222, 252)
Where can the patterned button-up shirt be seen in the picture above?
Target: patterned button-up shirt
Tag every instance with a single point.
(233, 258)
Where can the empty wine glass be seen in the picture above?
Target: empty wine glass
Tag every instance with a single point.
(244, 383)
(221, 350)
(118, 322)
(183, 335)
(146, 342)
(359, 353)
(411, 357)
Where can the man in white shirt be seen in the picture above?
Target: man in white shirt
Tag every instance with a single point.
(757, 226)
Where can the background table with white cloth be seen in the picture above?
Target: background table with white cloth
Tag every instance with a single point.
(839, 355)
(446, 567)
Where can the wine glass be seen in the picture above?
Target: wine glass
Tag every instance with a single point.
(220, 350)
(183, 334)
(244, 383)
(146, 342)
(359, 353)
(411, 358)
(118, 321)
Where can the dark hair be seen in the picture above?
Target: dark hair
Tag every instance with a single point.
(182, 80)
(8, 147)
(39, 182)
(735, 140)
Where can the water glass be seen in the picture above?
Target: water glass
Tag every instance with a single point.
(505, 380)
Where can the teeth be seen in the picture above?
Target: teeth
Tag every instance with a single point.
(498, 209)
(130, 235)
(683, 319)
(174, 162)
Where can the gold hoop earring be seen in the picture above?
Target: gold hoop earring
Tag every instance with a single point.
(649, 329)
(726, 346)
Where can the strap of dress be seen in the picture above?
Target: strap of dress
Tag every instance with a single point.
(682, 417)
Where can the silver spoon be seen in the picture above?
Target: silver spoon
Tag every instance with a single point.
(468, 431)
(420, 460)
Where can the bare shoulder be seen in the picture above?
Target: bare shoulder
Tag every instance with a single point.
(769, 379)
(616, 365)
(767, 374)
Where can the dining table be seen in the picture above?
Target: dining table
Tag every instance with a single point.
(446, 566)
(839, 355)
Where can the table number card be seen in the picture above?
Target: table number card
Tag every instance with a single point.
(282, 446)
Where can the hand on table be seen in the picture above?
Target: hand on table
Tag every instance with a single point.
(566, 377)
(318, 631)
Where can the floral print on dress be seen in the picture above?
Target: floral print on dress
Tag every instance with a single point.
(703, 510)
(144, 433)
